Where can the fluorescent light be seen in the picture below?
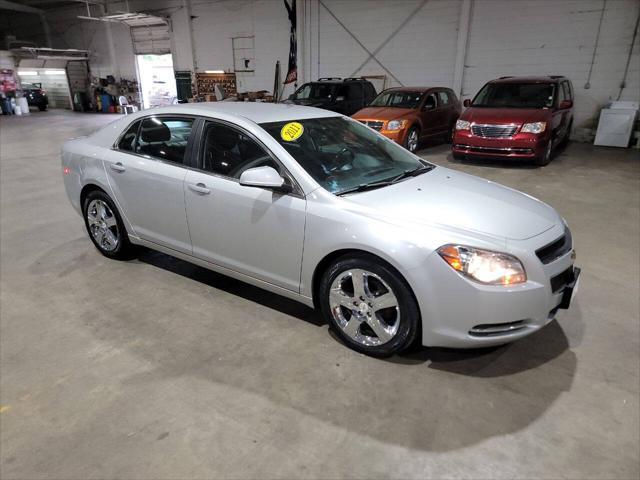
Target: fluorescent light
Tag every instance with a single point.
(54, 72)
(27, 73)
(214, 71)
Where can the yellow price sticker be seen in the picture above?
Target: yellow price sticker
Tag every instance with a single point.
(291, 131)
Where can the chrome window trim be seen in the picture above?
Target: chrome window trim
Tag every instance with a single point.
(296, 192)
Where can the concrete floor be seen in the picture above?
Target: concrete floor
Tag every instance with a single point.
(158, 369)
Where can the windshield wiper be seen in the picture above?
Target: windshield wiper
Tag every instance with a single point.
(412, 173)
(365, 186)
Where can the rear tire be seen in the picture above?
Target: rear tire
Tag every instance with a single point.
(546, 157)
(105, 227)
(369, 305)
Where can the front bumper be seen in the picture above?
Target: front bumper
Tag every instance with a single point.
(459, 313)
(521, 145)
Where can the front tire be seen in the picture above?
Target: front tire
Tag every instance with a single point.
(369, 306)
(412, 140)
(105, 227)
(545, 159)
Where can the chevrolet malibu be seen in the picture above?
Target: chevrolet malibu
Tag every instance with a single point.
(317, 207)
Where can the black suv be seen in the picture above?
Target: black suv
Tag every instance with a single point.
(36, 96)
(343, 96)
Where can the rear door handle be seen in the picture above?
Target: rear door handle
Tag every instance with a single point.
(118, 167)
(200, 188)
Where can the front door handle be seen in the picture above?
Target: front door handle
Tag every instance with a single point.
(118, 167)
(200, 188)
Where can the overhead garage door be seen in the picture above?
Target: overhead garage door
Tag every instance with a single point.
(154, 39)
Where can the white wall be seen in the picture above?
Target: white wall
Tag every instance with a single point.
(504, 38)
(550, 37)
(542, 37)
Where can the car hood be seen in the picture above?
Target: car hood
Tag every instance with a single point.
(505, 115)
(384, 113)
(454, 199)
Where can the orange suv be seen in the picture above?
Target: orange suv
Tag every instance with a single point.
(409, 114)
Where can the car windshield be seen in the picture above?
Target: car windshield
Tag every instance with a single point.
(515, 95)
(397, 99)
(315, 91)
(343, 155)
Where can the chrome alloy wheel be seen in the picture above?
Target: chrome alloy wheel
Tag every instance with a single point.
(412, 140)
(364, 307)
(103, 225)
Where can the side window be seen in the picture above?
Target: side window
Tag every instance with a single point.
(561, 93)
(128, 140)
(356, 91)
(165, 138)
(371, 92)
(443, 98)
(430, 102)
(229, 152)
(567, 91)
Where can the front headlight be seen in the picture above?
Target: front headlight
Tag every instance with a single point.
(395, 124)
(463, 125)
(484, 266)
(537, 127)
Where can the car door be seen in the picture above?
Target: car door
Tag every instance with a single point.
(562, 113)
(146, 172)
(254, 231)
(431, 115)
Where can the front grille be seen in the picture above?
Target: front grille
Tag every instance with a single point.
(556, 249)
(373, 124)
(561, 280)
(493, 131)
(493, 329)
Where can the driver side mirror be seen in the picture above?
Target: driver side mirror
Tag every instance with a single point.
(466, 103)
(292, 96)
(264, 177)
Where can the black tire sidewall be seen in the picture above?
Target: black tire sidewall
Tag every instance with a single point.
(409, 311)
(545, 159)
(406, 140)
(123, 250)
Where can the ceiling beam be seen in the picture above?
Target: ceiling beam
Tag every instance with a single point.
(18, 7)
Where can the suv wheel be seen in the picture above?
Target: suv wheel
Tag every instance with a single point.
(369, 306)
(546, 156)
(412, 140)
(105, 227)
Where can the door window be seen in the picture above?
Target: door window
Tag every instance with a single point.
(561, 94)
(430, 102)
(128, 140)
(164, 138)
(229, 152)
(566, 90)
(443, 98)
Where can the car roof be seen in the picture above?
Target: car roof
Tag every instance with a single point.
(532, 79)
(258, 112)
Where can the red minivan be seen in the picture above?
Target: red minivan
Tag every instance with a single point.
(516, 117)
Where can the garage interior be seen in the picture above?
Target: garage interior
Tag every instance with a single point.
(156, 368)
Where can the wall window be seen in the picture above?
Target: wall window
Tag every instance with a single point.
(229, 152)
(164, 138)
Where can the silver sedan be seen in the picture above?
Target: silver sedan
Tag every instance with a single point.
(319, 208)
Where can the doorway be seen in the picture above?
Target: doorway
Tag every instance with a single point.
(157, 80)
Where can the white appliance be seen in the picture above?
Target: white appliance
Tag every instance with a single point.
(616, 124)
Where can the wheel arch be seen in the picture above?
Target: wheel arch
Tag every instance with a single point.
(88, 188)
(332, 257)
